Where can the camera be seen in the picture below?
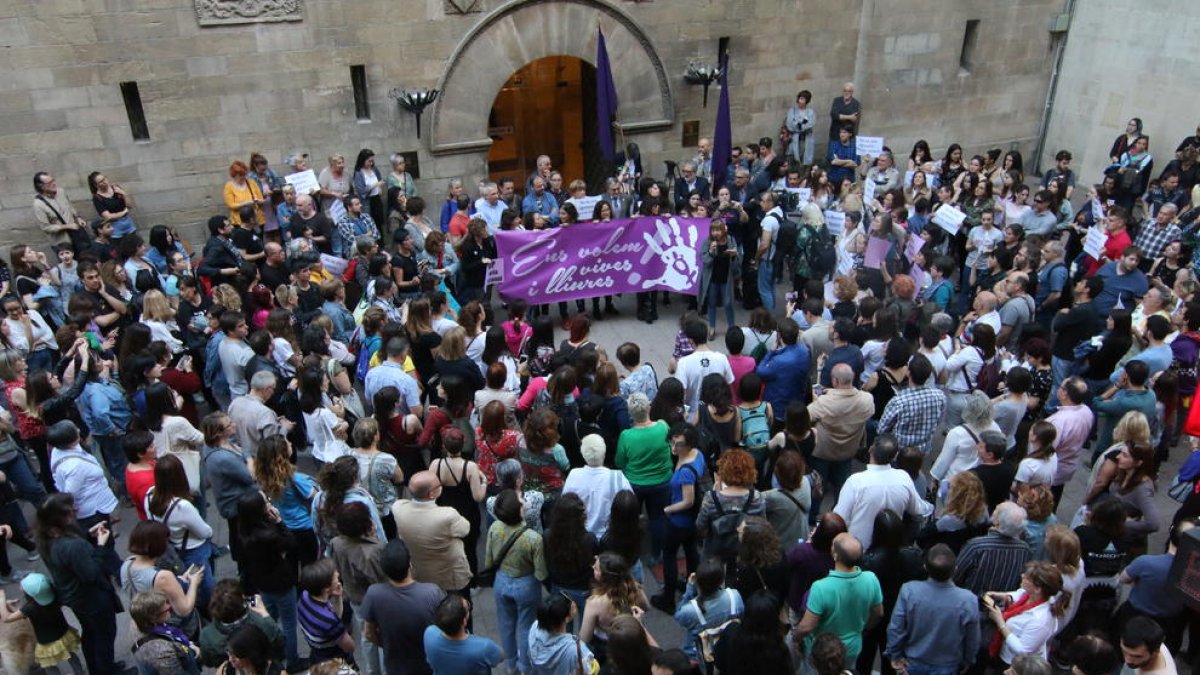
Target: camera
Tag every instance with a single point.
(788, 201)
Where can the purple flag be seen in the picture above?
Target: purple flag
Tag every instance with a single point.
(588, 260)
(723, 134)
(606, 98)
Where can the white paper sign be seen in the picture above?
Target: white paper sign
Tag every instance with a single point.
(805, 194)
(337, 210)
(845, 263)
(495, 273)
(335, 265)
(868, 145)
(949, 218)
(1093, 244)
(585, 206)
(868, 191)
(305, 182)
(1097, 211)
(835, 221)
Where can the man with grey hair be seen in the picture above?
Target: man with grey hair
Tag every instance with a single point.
(622, 204)
(253, 419)
(839, 416)
(1052, 282)
(881, 171)
(309, 217)
(997, 559)
(688, 182)
(1156, 233)
(595, 484)
(703, 158)
(845, 110)
(544, 167)
(489, 207)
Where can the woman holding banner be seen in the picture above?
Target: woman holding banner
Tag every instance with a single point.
(478, 251)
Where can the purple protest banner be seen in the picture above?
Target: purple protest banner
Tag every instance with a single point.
(594, 259)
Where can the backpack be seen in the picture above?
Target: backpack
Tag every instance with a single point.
(989, 378)
(708, 637)
(760, 349)
(820, 251)
(785, 244)
(351, 268)
(722, 539)
(755, 432)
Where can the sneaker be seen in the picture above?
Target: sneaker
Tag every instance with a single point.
(33, 556)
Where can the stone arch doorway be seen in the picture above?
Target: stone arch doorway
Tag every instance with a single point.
(521, 32)
(547, 107)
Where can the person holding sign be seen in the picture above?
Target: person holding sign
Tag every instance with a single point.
(882, 172)
(842, 156)
(981, 239)
(1118, 239)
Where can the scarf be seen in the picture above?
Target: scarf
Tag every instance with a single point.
(232, 248)
(1021, 607)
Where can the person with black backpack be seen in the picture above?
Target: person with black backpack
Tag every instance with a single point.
(689, 483)
(733, 497)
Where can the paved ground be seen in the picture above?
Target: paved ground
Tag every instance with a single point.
(657, 342)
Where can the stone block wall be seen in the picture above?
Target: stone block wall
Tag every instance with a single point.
(213, 94)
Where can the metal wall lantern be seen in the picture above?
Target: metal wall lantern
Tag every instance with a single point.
(415, 101)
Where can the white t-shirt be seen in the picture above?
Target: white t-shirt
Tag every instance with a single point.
(1041, 471)
(770, 223)
(692, 369)
(983, 240)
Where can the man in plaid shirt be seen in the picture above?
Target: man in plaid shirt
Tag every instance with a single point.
(915, 411)
(1157, 233)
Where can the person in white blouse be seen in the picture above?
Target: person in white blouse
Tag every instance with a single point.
(27, 331)
(174, 434)
(1027, 618)
(160, 319)
(962, 371)
(960, 450)
(168, 502)
(323, 417)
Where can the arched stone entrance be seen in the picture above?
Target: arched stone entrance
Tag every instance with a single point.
(522, 31)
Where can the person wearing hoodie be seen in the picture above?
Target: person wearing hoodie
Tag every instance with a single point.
(553, 650)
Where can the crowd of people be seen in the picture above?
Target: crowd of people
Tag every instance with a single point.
(869, 479)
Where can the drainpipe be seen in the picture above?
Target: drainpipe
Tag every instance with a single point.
(1052, 90)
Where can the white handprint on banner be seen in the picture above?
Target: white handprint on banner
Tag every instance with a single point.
(679, 254)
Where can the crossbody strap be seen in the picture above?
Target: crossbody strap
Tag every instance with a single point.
(50, 205)
(508, 546)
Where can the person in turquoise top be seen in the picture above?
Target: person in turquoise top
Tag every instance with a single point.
(644, 454)
(845, 603)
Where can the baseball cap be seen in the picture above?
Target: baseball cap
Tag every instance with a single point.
(38, 587)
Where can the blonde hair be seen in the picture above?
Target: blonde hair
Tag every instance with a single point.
(1038, 502)
(156, 307)
(227, 297)
(454, 345)
(1132, 428)
(966, 498)
(1063, 548)
(845, 288)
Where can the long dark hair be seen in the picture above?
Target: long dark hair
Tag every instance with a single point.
(311, 380)
(55, 520)
(161, 240)
(134, 338)
(668, 401)
(336, 479)
(252, 522)
(625, 532)
(170, 482)
(568, 544)
(759, 644)
(494, 345)
(363, 156)
(160, 402)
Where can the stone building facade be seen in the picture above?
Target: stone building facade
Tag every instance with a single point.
(220, 78)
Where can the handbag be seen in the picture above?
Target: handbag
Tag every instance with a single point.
(487, 576)
(1181, 490)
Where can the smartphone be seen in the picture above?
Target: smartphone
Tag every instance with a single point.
(790, 296)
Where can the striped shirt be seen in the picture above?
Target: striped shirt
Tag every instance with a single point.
(322, 627)
(993, 562)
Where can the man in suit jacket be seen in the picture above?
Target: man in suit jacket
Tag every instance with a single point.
(688, 182)
(622, 204)
(434, 535)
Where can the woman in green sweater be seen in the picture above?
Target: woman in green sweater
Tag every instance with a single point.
(644, 454)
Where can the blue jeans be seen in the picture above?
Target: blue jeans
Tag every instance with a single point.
(372, 655)
(21, 478)
(517, 601)
(123, 226)
(114, 460)
(655, 498)
(282, 608)
(918, 668)
(201, 556)
(722, 293)
(766, 284)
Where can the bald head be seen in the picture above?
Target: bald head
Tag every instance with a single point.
(304, 203)
(842, 376)
(985, 302)
(847, 549)
(424, 484)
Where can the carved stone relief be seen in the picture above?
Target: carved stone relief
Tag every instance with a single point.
(223, 12)
(453, 7)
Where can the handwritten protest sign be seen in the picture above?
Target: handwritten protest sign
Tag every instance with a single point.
(949, 218)
(585, 206)
(868, 146)
(835, 222)
(1093, 244)
(305, 182)
(877, 250)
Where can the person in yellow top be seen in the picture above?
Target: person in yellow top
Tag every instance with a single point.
(241, 192)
